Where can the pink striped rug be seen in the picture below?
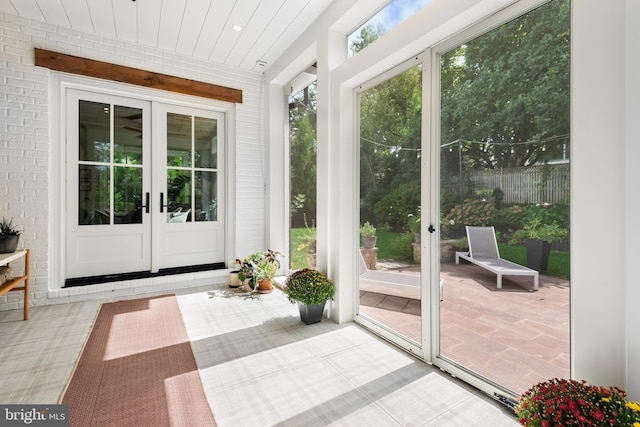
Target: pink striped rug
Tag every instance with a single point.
(137, 369)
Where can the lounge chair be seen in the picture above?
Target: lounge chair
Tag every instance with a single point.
(483, 252)
(392, 281)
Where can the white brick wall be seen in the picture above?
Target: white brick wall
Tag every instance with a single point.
(26, 145)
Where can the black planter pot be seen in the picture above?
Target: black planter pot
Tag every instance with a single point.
(311, 313)
(538, 252)
(8, 244)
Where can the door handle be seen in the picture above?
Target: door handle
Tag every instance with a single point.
(162, 205)
(146, 205)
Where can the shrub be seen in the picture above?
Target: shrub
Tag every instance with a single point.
(473, 212)
(308, 287)
(394, 208)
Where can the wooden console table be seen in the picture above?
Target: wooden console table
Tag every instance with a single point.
(12, 285)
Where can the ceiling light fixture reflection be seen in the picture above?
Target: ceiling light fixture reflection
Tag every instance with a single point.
(236, 27)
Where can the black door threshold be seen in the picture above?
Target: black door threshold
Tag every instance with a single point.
(95, 280)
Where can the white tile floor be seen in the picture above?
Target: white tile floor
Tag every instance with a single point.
(260, 366)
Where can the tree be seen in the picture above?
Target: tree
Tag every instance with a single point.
(506, 93)
(303, 169)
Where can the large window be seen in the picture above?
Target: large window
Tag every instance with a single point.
(302, 177)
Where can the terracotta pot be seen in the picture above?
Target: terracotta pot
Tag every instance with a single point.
(265, 286)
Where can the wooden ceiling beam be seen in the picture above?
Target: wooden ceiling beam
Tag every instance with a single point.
(104, 70)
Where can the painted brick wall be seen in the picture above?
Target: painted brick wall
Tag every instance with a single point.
(26, 144)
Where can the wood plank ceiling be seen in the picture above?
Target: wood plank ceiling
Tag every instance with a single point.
(198, 28)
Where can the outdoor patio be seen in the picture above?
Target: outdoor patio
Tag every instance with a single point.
(513, 336)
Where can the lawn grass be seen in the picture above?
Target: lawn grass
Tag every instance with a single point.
(392, 245)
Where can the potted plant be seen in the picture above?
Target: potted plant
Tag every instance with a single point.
(9, 237)
(575, 403)
(259, 269)
(310, 289)
(537, 238)
(368, 233)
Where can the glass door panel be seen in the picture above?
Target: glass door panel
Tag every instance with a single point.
(390, 285)
(504, 165)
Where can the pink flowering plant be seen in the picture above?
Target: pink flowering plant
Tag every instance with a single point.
(560, 402)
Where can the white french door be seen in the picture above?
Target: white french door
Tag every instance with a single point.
(143, 185)
(188, 174)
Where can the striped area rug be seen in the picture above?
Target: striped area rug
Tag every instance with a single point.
(137, 369)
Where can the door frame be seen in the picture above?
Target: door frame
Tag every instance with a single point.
(59, 83)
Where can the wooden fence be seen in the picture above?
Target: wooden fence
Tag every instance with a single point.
(531, 184)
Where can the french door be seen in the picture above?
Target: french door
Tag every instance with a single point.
(143, 185)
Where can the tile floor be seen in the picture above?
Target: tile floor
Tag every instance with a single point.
(260, 366)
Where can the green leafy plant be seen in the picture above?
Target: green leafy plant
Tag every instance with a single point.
(537, 230)
(7, 228)
(575, 403)
(258, 266)
(367, 230)
(309, 287)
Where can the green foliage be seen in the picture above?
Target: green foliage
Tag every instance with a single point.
(538, 231)
(472, 212)
(390, 137)
(303, 166)
(308, 287)
(368, 34)
(508, 219)
(507, 87)
(555, 214)
(395, 207)
(257, 266)
(367, 230)
(7, 228)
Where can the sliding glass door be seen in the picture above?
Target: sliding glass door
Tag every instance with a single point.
(473, 134)
(390, 135)
(504, 167)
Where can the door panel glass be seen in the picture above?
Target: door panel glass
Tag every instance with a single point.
(179, 140)
(206, 189)
(504, 156)
(206, 145)
(390, 183)
(96, 167)
(179, 195)
(94, 142)
(94, 195)
(127, 135)
(127, 195)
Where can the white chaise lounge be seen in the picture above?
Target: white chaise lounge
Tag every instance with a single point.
(483, 251)
(391, 281)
